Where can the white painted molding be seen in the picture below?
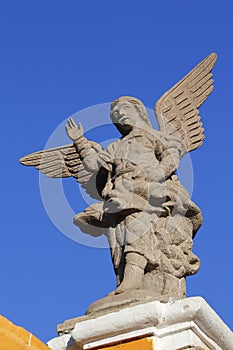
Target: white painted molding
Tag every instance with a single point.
(169, 338)
(178, 323)
(59, 343)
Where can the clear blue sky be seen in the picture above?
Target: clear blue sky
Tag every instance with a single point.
(59, 57)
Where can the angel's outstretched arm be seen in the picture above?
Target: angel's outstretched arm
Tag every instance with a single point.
(78, 160)
(85, 149)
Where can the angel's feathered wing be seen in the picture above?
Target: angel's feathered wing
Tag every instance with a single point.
(63, 162)
(177, 110)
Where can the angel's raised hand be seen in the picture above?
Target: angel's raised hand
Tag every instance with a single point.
(74, 131)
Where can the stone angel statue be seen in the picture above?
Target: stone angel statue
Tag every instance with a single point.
(142, 208)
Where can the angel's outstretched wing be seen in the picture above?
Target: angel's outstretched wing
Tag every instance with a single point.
(65, 161)
(177, 110)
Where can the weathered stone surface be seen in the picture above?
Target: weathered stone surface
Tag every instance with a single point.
(120, 301)
(145, 212)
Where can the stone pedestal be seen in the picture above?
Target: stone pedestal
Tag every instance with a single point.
(177, 325)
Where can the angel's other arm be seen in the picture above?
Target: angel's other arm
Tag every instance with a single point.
(169, 154)
(170, 160)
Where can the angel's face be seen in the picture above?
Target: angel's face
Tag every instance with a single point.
(127, 115)
(123, 113)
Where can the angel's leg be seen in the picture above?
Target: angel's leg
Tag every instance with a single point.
(133, 273)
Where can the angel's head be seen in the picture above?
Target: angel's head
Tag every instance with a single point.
(128, 112)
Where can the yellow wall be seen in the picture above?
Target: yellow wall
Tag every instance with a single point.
(139, 344)
(17, 338)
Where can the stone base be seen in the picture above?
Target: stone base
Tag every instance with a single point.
(112, 303)
(184, 324)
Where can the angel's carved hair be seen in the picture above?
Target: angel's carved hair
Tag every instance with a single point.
(137, 104)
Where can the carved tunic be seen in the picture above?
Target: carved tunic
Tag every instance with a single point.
(132, 162)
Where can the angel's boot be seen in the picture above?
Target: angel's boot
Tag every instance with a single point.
(133, 274)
